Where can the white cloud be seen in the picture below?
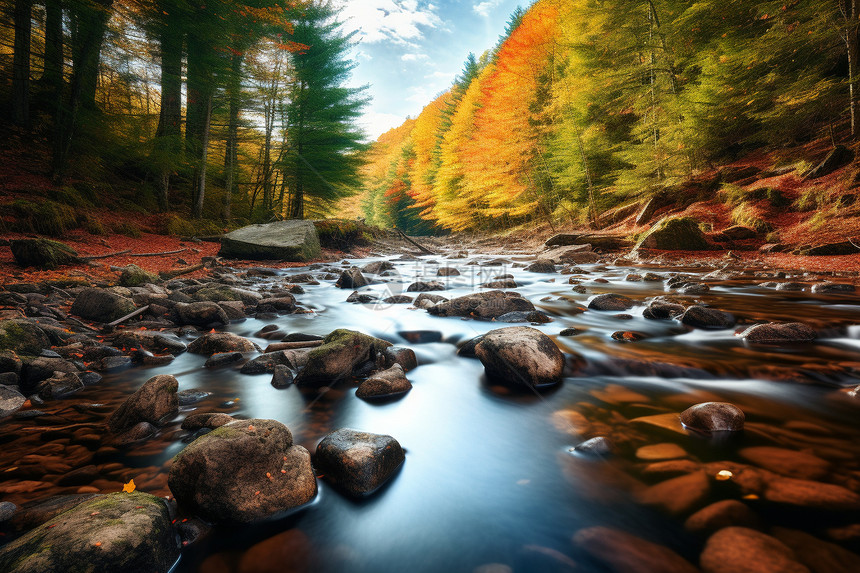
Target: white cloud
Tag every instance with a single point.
(484, 8)
(376, 123)
(414, 57)
(398, 21)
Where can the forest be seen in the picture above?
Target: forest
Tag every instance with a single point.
(214, 111)
(586, 105)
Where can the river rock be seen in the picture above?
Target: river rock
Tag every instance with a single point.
(216, 342)
(662, 310)
(541, 266)
(425, 286)
(221, 359)
(351, 278)
(791, 463)
(774, 333)
(447, 272)
(674, 234)
(154, 402)
(266, 363)
(128, 532)
(401, 355)
(158, 342)
(833, 288)
(10, 401)
(664, 451)
(101, 305)
(820, 556)
(221, 293)
(292, 240)
(39, 369)
(744, 550)
(243, 471)
(811, 494)
(503, 283)
(212, 420)
(520, 355)
(362, 297)
(707, 318)
(60, 385)
(282, 377)
(202, 313)
(386, 384)
(425, 300)
(611, 301)
(482, 305)
(622, 552)
(356, 462)
(678, 496)
(534, 316)
(725, 513)
(600, 446)
(709, 417)
(22, 337)
(378, 267)
(341, 352)
(133, 275)
(398, 299)
(281, 303)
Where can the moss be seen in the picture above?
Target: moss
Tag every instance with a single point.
(811, 200)
(343, 234)
(43, 253)
(47, 217)
(216, 294)
(133, 275)
(128, 229)
(675, 234)
(69, 196)
(21, 338)
(178, 227)
(743, 215)
(93, 225)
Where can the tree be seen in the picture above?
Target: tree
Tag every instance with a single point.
(322, 157)
(21, 63)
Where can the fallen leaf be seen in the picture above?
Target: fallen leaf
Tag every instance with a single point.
(129, 487)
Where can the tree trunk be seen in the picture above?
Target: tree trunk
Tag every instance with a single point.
(200, 192)
(52, 78)
(169, 131)
(21, 64)
(232, 143)
(91, 22)
(851, 11)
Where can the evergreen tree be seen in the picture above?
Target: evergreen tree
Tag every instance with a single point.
(322, 157)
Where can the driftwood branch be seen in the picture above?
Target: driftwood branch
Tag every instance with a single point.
(855, 245)
(105, 256)
(159, 254)
(422, 249)
(276, 346)
(141, 310)
(167, 275)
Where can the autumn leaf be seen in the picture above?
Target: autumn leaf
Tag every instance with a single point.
(129, 487)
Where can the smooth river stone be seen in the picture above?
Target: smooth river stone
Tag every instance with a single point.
(664, 451)
(818, 555)
(812, 494)
(725, 513)
(570, 421)
(625, 553)
(669, 422)
(791, 463)
(678, 496)
(617, 394)
(713, 417)
(743, 550)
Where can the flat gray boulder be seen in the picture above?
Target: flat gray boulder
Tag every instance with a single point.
(292, 240)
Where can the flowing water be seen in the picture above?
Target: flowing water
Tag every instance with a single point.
(489, 476)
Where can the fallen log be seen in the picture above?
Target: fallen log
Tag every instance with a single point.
(89, 258)
(276, 346)
(421, 248)
(161, 254)
(120, 320)
(167, 275)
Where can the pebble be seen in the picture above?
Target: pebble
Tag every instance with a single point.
(599, 446)
(678, 496)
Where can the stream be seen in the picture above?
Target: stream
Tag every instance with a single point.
(490, 483)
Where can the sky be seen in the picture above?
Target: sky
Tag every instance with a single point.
(409, 51)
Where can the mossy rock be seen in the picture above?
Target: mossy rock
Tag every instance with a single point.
(343, 234)
(22, 337)
(291, 240)
(43, 253)
(133, 276)
(675, 234)
(45, 217)
(128, 532)
(341, 352)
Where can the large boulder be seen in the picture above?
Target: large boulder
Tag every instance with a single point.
(709, 417)
(101, 305)
(133, 275)
(154, 402)
(282, 240)
(201, 313)
(216, 342)
(351, 278)
(22, 337)
(153, 341)
(358, 463)
(775, 333)
(43, 253)
(674, 234)
(520, 355)
(342, 351)
(611, 301)
(243, 471)
(482, 305)
(128, 532)
(708, 318)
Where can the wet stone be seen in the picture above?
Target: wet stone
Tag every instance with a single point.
(774, 333)
(191, 396)
(535, 316)
(570, 332)
(833, 288)
(520, 355)
(358, 463)
(610, 301)
(707, 318)
(811, 494)
(425, 286)
(725, 513)
(709, 417)
(622, 552)
(222, 359)
(10, 401)
(678, 496)
(820, 556)
(790, 463)
(155, 402)
(361, 297)
(734, 549)
(398, 299)
(351, 278)
(210, 420)
(664, 451)
(598, 446)
(386, 384)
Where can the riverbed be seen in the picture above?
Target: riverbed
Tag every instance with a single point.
(491, 481)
